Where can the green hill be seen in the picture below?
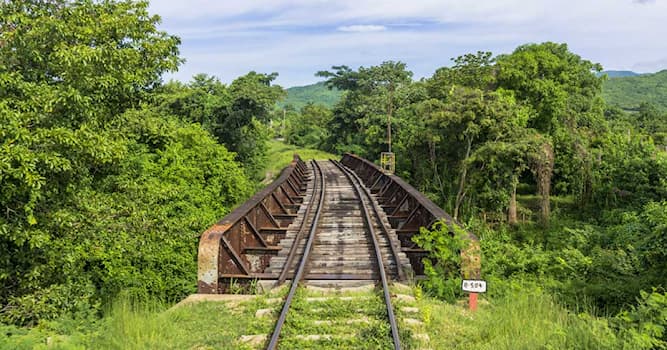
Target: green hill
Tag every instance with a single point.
(619, 73)
(628, 92)
(318, 93)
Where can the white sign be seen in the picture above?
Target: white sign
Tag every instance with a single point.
(474, 286)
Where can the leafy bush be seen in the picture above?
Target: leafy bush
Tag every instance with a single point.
(645, 324)
(308, 127)
(443, 265)
(98, 197)
(134, 228)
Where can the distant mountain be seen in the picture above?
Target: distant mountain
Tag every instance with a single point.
(299, 96)
(625, 89)
(619, 73)
(630, 91)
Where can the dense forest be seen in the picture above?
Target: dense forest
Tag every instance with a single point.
(318, 93)
(629, 92)
(108, 174)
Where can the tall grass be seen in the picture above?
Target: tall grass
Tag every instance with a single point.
(131, 324)
(519, 320)
(135, 325)
(205, 325)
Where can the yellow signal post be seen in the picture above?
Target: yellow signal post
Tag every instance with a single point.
(388, 162)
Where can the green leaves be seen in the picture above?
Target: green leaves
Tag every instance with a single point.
(443, 265)
(235, 114)
(307, 128)
(130, 227)
(645, 324)
(97, 58)
(373, 96)
(95, 196)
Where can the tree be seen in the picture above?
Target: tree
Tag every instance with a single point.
(470, 70)
(499, 163)
(236, 114)
(563, 93)
(66, 69)
(308, 128)
(476, 138)
(83, 61)
(97, 197)
(200, 101)
(363, 117)
(557, 84)
(475, 121)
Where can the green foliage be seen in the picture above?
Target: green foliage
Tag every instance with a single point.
(146, 324)
(134, 229)
(200, 101)
(443, 265)
(605, 265)
(107, 177)
(484, 125)
(646, 324)
(525, 318)
(631, 171)
(372, 96)
(236, 114)
(317, 94)
(471, 70)
(308, 127)
(563, 93)
(70, 63)
(596, 271)
(280, 155)
(65, 69)
(558, 85)
(630, 92)
(97, 197)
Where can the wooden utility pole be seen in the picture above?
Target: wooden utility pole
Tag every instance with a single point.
(390, 110)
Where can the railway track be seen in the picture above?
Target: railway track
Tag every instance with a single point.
(339, 232)
(342, 238)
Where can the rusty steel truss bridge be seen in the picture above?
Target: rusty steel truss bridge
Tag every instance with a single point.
(322, 223)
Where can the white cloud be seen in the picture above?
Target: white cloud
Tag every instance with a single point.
(363, 28)
(299, 37)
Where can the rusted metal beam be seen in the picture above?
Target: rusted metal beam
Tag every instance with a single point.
(241, 245)
(408, 210)
(234, 248)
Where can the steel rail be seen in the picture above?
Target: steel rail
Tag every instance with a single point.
(273, 343)
(292, 252)
(376, 211)
(378, 254)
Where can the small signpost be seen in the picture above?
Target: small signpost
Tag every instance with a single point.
(388, 162)
(473, 287)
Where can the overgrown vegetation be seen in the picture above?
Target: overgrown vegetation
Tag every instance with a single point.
(103, 190)
(299, 96)
(497, 142)
(528, 318)
(629, 92)
(141, 324)
(236, 115)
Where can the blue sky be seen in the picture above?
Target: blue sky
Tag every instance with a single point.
(296, 38)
